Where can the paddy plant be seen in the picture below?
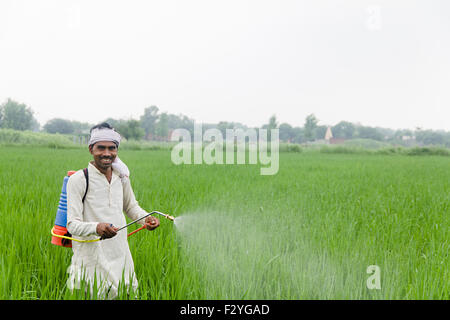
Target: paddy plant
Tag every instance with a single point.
(308, 232)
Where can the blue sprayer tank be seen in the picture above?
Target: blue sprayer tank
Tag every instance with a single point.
(61, 216)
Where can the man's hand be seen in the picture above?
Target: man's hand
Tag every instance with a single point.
(151, 223)
(106, 230)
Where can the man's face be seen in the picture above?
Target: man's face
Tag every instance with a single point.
(104, 153)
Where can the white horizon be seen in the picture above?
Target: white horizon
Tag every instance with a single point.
(381, 64)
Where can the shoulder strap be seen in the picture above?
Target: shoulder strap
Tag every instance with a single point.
(86, 175)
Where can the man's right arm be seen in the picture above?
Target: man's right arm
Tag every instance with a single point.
(76, 186)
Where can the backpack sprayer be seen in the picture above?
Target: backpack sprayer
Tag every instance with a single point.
(60, 235)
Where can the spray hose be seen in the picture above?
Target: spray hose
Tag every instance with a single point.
(131, 233)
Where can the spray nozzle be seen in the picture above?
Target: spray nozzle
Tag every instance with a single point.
(165, 215)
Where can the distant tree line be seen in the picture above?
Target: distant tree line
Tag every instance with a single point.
(17, 116)
(345, 130)
(156, 125)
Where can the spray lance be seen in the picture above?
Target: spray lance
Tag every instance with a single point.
(149, 214)
(66, 237)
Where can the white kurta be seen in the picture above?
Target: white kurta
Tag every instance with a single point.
(107, 261)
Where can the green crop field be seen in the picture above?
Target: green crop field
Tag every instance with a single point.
(309, 232)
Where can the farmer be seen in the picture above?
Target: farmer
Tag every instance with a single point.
(109, 261)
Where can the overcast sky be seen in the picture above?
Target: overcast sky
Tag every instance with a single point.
(379, 63)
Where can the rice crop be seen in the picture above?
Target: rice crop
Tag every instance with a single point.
(308, 232)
